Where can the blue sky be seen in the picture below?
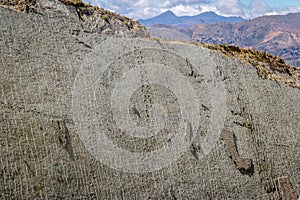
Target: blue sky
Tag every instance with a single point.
(277, 3)
(142, 9)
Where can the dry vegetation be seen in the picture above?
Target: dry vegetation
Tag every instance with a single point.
(268, 66)
(25, 5)
(73, 2)
(19, 5)
(114, 22)
(95, 19)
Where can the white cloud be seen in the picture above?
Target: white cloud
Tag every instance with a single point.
(230, 7)
(207, 8)
(173, 3)
(157, 3)
(185, 10)
(258, 8)
(144, 13)
(289, 9)
(143, 9)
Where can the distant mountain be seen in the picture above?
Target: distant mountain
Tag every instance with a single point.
(170, 32)
(277, 34)
(169, 18)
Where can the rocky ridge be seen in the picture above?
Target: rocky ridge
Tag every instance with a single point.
(268, 65)
(92, 18)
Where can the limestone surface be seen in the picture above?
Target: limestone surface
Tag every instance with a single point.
(92, 115)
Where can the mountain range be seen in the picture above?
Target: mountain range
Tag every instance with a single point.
(169, 18)
(276, 34)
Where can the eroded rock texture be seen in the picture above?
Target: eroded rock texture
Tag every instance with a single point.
(49, 59)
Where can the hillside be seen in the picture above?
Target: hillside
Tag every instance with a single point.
(169, 32)
(92, 18)
(91, 107)
(278, 35)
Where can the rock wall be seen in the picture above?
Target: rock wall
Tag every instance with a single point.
(90, 115)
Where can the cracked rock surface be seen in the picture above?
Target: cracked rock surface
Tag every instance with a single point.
(45, 50)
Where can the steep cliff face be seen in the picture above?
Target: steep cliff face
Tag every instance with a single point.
(89, 110)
